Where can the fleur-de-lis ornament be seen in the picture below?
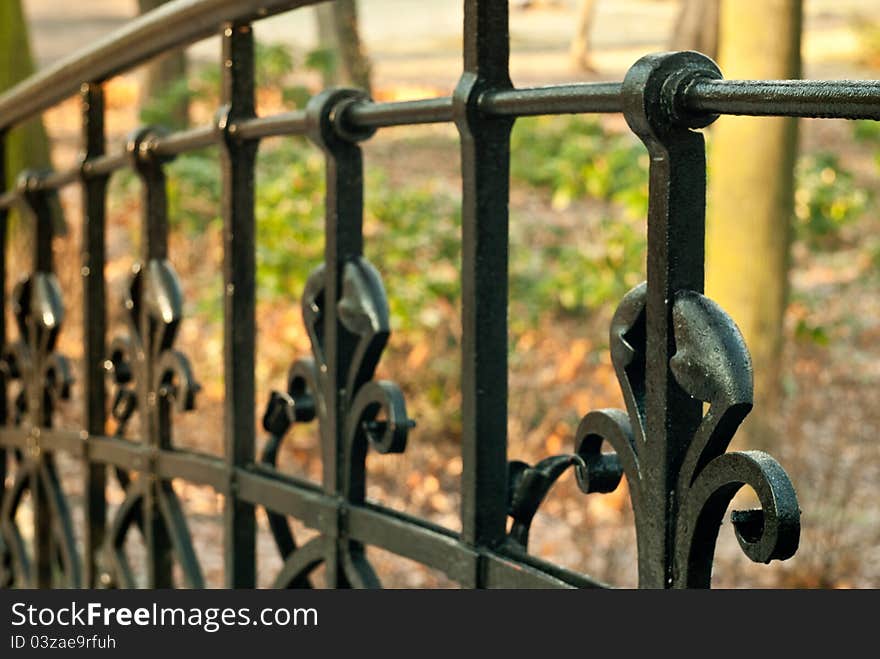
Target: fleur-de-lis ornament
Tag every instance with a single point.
(45, 379)
(363, 316)
(674, 352)
(151, 378)
(345, 313)
(711, 364)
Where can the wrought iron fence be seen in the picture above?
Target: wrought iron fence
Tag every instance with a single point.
(675, 352)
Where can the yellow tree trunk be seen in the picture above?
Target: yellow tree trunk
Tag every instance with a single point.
(27, 146)
(696, 27)
(751, 169)
(581, 42)
(339, 31)
(162, 79)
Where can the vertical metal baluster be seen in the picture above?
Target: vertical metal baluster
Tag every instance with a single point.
(485, 163)
(94, 190)
(39, 411)
(154, 246)
(4, 218)
(676, 230)
(239, 248)
(344, 204)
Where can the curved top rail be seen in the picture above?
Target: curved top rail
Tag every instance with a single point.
(182, 22)
(177, 23)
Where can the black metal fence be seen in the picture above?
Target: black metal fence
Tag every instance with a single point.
(673, 349)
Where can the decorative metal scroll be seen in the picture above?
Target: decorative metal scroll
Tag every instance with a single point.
(348, 331)
(681, 363)
(363, 313)
(711, 364)
(680, 479)
(45, 378)
(151, 377)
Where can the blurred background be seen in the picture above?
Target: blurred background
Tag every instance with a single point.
(793, 250)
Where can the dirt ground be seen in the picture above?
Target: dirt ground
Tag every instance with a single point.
(826, 428)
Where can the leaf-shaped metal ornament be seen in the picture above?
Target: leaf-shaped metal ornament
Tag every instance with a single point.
(44, 378)
(710, 363)
(150, 378)
(374, 412)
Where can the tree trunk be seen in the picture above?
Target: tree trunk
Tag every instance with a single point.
(696, 27)
(27, 145)
(161, 76)
(338, 32)
(751, 184)
(580, 44)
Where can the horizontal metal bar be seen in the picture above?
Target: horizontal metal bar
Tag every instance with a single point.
(58, 179)
(107, 164)
(7, 199)
(853, 99)
(198, 468)
(183, 141)
(68, 441)
(55, 180)
(514, 568)
(837, 99)
(558, 99)
(178, 23)
(118, 452)
(286, 123)
(377, 526)
(503, 573)
(50, 439)
(192, 467)
(401, 534)
(399, 113)
(285, 494)
(13, 437)
(413, 538)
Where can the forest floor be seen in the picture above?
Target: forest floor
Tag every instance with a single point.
(825, 430)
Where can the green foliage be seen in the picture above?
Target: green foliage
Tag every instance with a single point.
(867, 131)
(827, 199)
(572, 273)
(193, 191)
(273, 65)
(413, 235)
(413, 231)
(593, 264)
(274, 62)
(289, 211)
(323, 60)
(806, 331)
(577, 157)
(158, 110)
(416, 230)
